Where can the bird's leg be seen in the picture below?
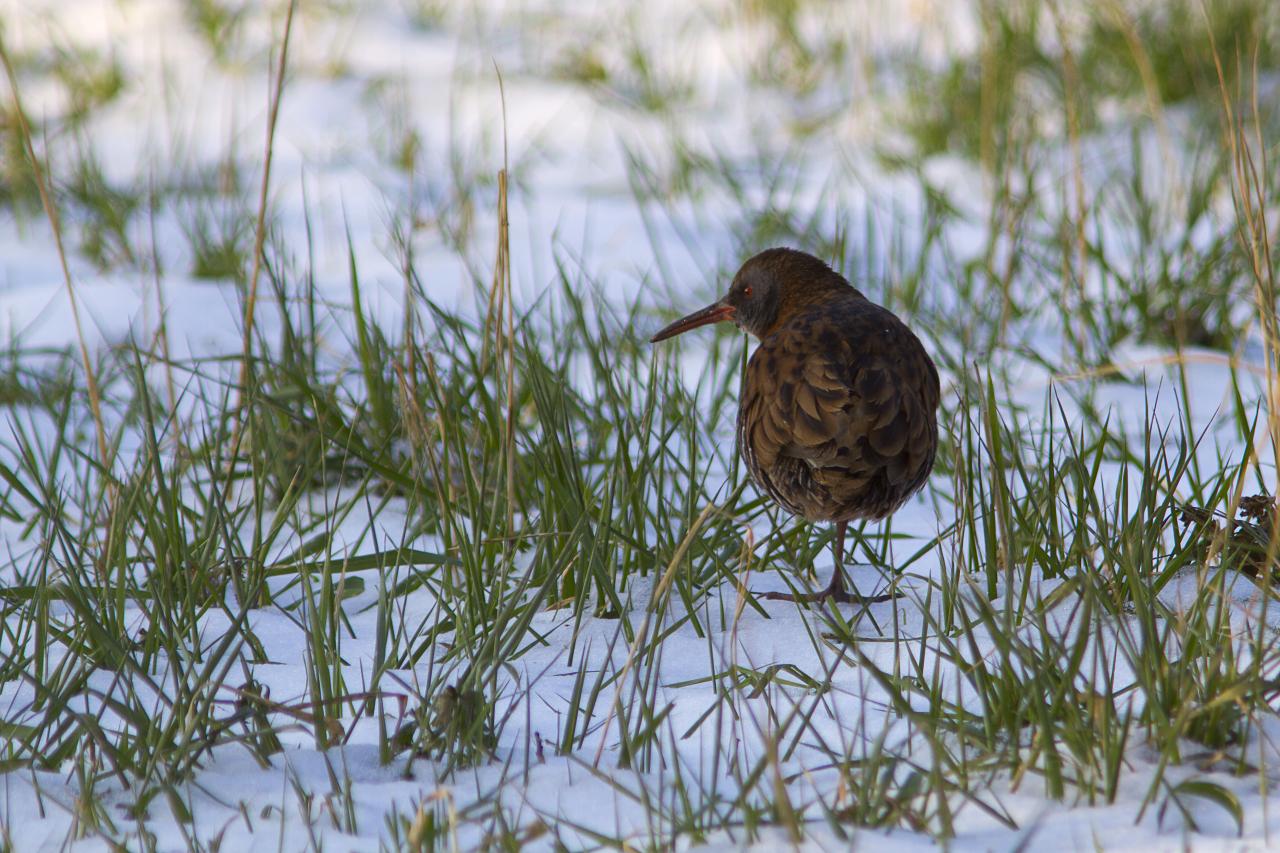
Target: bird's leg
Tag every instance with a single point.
(835, 590)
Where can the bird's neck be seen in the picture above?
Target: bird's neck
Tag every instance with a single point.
(801, 302)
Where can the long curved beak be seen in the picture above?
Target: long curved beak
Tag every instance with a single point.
(717, 312)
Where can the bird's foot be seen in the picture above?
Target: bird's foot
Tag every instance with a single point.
(839, 596)
(835, 591)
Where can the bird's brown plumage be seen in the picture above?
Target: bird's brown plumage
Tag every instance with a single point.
(837, 419)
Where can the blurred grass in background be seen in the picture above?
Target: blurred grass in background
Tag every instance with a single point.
(421, 504)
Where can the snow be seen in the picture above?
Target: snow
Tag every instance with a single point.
(361, 80)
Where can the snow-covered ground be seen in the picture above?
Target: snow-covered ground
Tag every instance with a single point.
(402, 112)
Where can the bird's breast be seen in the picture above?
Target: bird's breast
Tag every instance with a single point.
(837, 415)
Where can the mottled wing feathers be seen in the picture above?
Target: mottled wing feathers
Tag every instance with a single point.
(837, 419)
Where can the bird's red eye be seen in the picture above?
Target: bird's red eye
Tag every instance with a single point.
(746, 291)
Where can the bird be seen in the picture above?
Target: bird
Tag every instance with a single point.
(837, 416)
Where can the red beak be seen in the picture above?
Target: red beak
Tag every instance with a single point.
(717, 312)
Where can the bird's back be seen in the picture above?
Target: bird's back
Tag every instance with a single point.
(838, 411)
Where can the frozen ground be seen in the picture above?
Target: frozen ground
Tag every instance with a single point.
(393, 113)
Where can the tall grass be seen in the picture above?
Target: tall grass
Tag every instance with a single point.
(517, 510)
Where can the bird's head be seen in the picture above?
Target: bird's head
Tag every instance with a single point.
(768, 289)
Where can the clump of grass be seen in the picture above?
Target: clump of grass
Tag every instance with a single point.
(584, 65)
(218, 246)
(220, 24)
(1171, 47)
(985, 106)
(493, 481)
(18, 190)
(794, 59)
(1161, 54)
(1243, 544)
(649, 85)
(427, 14)
(89, 79)
(459, 724)
(106, 215)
